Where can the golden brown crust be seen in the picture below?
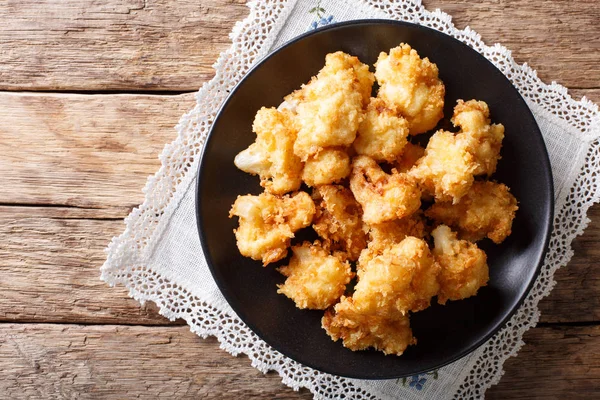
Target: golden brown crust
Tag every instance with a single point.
(338, 220)
(315, 279)
(487, 209)
(383, 197)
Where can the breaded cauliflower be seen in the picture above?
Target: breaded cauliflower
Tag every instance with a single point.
(386, 234)
(338, 220)
(464, 266)
(484, 139)
(403, 278)
(267, 223)
(383, 197)
(487, 209)
(330, 165)
(412, 86)
(315, 279)
(340, 60)
(446, 170)
(382, 134)
(389, 333)
(328, 109)
(271, 156)
(410, 155)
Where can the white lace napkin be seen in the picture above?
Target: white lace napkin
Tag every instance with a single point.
(159, 257)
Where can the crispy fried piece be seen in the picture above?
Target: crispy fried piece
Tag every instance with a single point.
(382, 134)
(271, 156)
(328, 109)
(340, 60)
(403, 278)
(464, 265)
(410, 155)
(359, 331)
(386, 234)
(383, 197)
(487, 209)
(412, 86)
(484, 139)
(338, 220)
(267, 223)
(446, 169)
(328, 166)
(315, 279)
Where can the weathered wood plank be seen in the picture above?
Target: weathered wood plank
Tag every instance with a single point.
(39, 360)
(50, 258)
(83, 150)
(165, 45)
(591, 94)
(559, 39)
(555, 363)
(113, 45)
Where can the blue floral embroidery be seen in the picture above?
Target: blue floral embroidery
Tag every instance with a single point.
(418, 381)
(320, 13)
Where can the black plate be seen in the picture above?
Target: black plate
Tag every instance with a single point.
(444, 333)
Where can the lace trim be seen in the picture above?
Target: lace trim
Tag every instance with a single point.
(252, 38)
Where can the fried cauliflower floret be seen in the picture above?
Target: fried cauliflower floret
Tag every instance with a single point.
(464, 266)
(328, 110)
(412, 86)
(315, 279)
(267, 223)
(446, 169)
(359, 331)
(386, 234)
(271, 156)
(326, 167)
(487, 209)
(340, 60)
(383, 197)
(403, 278)
(484, 139)
(410, 155)
(382, 134)
(338, 220)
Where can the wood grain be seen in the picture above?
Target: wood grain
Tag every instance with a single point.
(113, 45)
(167, 45)
(50, 259)
(69, 361)
(73, 166)
(560, 39)
(92, 151)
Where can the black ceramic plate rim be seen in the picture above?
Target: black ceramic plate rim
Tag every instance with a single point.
(548, 221)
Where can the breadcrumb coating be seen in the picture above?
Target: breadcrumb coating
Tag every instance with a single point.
(410, 155)
(330, 165)
(268, 222)
(402, 278)
(411, 85)
(382, 134)
(446, 169)
(464, 266)
(328, 109)
(488, 209)
(386, 234)
(358, 330)
(338, 220)
(315, 279)
(484, 138)
(383, 197)
(271, 156)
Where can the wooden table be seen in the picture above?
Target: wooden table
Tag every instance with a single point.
(90, 91)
